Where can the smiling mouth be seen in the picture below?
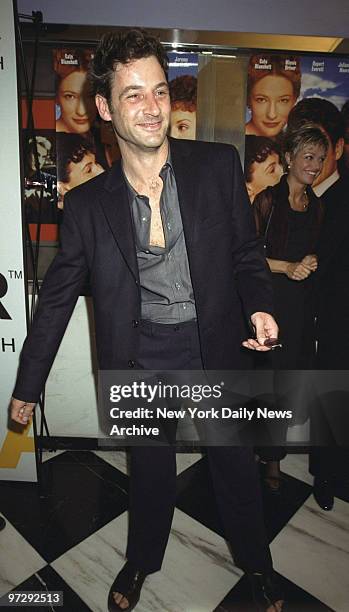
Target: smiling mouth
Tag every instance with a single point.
(151, 126)
(312, 175)
(81, 121)
(271, 124)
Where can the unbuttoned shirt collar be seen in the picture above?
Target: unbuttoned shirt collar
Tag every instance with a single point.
(141, 212)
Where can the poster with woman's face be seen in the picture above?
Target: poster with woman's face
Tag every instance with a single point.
(75, 107)
(283, 87)
(273, 87)
(86, 146)
(183, 70)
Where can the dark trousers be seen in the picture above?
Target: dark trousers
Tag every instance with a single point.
(329, 426)
(153, 472)
(329, 462)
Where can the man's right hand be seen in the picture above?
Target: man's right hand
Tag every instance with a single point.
(21, 412)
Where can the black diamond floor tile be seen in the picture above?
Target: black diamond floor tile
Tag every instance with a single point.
(296, 599)
(280, 507)
(82, 493)
(195, 497)
(53, 582)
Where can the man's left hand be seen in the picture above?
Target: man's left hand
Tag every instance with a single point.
(265, 328)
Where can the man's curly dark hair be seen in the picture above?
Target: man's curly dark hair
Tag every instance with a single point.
(122, 48)
(257, 149)
(71, 148)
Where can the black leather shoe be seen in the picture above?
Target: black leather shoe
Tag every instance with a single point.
(129, 583)
(324, 493)
(265, 590)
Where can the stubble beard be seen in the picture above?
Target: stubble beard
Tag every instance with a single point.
(136, 141)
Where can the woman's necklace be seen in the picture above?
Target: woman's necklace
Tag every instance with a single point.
(300, 205)
(305, 200)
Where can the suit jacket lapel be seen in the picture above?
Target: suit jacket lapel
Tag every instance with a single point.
(186, 181)
(117, 210)
(115, 203)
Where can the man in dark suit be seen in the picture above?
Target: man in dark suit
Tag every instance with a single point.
(330, 464)
(168, 243)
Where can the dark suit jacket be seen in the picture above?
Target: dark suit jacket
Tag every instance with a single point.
(332, 296)
(229, 275)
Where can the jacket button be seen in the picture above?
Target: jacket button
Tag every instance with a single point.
(131, 363)
(135, 323)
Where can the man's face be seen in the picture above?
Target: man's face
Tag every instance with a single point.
(264, 174)
(83, 171)
(141, 107)
(330, 163)
(42, 157)
(183, 124)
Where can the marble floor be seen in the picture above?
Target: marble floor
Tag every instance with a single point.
(70, 536)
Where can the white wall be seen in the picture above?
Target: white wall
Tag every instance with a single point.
(17, 459)
(71, 404)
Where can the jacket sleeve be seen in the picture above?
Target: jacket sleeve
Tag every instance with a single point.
(252, 272)
(58, 295)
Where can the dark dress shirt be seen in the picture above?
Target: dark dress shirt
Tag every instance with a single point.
(166, 289)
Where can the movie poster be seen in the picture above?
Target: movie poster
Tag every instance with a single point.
(182, 75)
(326, 78)
(273, 87)
(86, 145)
(275, 83)
(40, 186)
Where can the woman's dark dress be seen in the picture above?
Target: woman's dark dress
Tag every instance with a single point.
(289, 235)
(293, 303)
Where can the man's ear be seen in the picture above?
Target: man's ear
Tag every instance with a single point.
(103, 108)
(250, 191)
(288, 159)
(62, 188)
(339, 148)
